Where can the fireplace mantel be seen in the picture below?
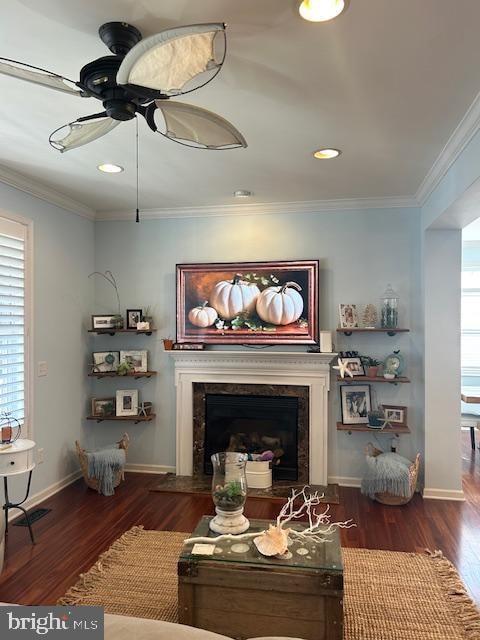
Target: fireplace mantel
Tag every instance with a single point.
(254, 367)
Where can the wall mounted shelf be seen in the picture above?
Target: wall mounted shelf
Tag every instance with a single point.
(355, 379)
(112, 332)
(363, 428)
(389, 332)
(135, 419)
(113, 374)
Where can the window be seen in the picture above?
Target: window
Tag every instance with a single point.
(471, 309)
(13, 320)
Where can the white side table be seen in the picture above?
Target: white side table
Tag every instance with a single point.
(15, 460)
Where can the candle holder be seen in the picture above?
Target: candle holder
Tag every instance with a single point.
(229, 492)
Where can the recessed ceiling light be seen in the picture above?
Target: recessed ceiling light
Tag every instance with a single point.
(321, 10)
(242, 193)
(326, 154)
(107, 167)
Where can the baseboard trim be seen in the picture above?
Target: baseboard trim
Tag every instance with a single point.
(46, 493)
(345, 481)
(148, 468)
(443, 494)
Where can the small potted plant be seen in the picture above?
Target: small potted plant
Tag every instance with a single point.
(167, 344)
(376, 419)
(371, 365)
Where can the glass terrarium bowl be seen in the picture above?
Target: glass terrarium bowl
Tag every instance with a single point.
(229, 483)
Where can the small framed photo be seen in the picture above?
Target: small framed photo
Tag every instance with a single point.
(356, 403)
(105, 361)
(127, 402)
(134, 316)
(104, 322)
(348, 316)
(354, 365)
(395, 414)
(137, 359)
(103, 407)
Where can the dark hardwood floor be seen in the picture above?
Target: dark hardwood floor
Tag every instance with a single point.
(83, 524)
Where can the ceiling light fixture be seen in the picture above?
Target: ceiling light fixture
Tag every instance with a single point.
(321, 10)
(326, 154)
(107, 167)
(242, 193)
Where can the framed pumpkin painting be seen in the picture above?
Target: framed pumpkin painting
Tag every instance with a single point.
(248, 302)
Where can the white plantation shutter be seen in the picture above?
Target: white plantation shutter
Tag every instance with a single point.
(12, 319)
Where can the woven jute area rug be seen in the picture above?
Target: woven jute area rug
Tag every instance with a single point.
(388, 595)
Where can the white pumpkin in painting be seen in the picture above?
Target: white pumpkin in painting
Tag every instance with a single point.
(203, 316)
(231, 297)
(280, 305)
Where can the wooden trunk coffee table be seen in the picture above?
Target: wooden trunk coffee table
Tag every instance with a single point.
(242, 594)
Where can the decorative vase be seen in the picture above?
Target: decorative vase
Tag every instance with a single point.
(229, 492)
(372, 372)
(167, 344)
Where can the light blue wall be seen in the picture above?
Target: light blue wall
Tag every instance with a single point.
(359, 252)
(63, 258)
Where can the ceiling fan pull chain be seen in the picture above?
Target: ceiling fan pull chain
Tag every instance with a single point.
(137, 218)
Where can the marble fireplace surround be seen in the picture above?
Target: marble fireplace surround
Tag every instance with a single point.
(311, 370)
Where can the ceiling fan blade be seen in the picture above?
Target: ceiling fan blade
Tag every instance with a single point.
(76, 134)
(171, 59)
(45, 78)
(193, 126)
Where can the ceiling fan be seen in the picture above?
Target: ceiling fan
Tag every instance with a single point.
(140, 78)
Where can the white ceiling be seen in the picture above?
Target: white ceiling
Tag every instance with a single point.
(387, 83)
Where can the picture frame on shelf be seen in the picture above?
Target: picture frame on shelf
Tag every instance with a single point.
(188, 346)
(138, 359)
(134, 316)
(355, 403)
(395, 414)
(127, 402)
(105, 361)
(248, 302)
(104, 322)
(355, 365)
(348, 316)
(103, 407)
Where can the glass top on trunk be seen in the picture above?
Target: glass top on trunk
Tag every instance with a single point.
(305, 555)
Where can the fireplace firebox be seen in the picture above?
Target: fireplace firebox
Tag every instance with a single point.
(255, 425)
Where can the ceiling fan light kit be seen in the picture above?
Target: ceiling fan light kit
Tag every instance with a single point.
(321, 10)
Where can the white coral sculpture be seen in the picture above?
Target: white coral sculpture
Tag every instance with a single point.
(275, 540)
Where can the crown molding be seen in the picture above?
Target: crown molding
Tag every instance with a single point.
(265, 208)
(29, 185)
(461, 136)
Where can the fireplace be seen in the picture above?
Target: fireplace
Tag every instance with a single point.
(252, 419)
(272, 374)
